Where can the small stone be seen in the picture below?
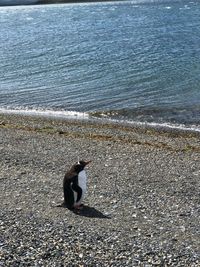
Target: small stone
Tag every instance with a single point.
(182, 228)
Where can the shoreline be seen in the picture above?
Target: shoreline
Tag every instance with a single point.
(142, 204)
(88, 118)
(105, 131)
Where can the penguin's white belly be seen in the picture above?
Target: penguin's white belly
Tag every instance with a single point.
(82, 182)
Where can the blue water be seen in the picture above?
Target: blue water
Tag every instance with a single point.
(132, 61)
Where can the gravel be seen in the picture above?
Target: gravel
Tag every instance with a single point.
(142, 206)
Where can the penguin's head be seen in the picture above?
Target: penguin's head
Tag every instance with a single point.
(81, 165)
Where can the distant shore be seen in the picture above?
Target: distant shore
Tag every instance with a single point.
(142, 205)
(71, 1)
(46, 2)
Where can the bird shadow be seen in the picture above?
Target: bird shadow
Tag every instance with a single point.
(91, 212)
(86, 211)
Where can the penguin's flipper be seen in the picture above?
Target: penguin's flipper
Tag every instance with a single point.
(77, 189)
(69, 197)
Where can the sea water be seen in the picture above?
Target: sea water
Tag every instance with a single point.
(133, 61)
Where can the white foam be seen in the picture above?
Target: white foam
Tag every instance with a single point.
(181, 127)
(46, 113)
(174, 126)
(185, 7)
(84, 115)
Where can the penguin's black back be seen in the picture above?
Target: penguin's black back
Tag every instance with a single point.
(71, 181)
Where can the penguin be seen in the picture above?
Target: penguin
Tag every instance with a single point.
(74, 185)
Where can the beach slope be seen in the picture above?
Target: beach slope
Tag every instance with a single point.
(142, 204)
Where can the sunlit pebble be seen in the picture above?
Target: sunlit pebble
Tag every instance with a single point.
(182, 228)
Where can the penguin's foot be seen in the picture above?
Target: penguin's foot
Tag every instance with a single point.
(78, 207)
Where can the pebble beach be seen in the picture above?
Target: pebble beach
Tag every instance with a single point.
(142, 204)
